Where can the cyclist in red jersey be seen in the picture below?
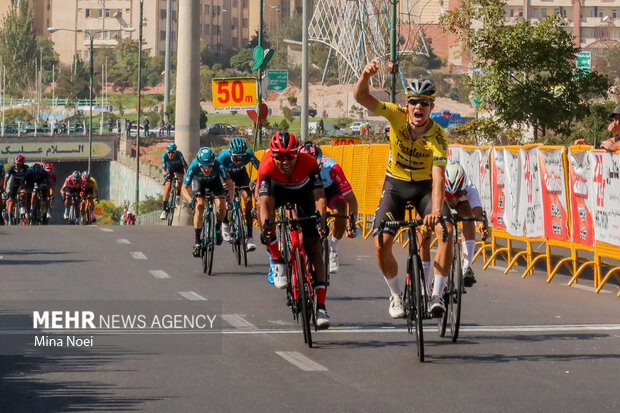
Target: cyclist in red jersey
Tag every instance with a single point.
(49, 168)
(285, 175)
(74, 184)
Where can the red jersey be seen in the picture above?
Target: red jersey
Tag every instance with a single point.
(306, 172)
(79, 184)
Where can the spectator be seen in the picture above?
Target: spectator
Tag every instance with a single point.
(110, 125)
(612, 144)
(146, 126)
(162, 126)
(168, 127)
(128, 128)
(321, 128)
(118, 125)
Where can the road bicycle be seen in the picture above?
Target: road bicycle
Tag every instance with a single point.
(300, 294)
(74, 207)
(208, 233)
(172, 200)
(238, 233)
(38, 209)
(453, 296)
(415, 300)
(87, 217)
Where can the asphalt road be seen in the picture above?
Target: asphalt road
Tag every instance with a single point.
(525, 345)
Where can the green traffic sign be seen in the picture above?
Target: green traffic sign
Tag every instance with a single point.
(584, 61)
(278, 80)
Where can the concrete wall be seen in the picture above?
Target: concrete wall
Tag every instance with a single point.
(122, 187)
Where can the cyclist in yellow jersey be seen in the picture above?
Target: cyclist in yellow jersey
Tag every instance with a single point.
(415, 173)
(91, 191)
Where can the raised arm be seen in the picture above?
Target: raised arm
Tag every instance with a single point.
(361, 93)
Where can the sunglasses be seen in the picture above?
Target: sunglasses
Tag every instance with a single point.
(172, 152)
(238, 157)
(457, 194)
(285, 156)
(422, 102)
(206, 165)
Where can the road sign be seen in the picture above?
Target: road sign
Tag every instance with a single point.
(233, 93)
(584, 61)
(278, 80)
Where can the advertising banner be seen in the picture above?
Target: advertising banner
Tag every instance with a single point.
(607, 186)
(476, 163)
(514, 212)
(553, 187)
(583, 171)
(56, 150)
(498, 205)
(531, 202)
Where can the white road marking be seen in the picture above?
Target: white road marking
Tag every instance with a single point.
(122, 241)
(299, 360)
(190, 295)
(586, 288)
(104, 229)
(159, 274)
(137, 255)
(502, 269)
(280, 322)
(237, 321)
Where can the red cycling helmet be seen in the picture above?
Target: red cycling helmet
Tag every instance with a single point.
(20, 159)
(48, 166)
(284, 142)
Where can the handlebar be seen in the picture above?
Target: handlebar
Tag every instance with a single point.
(413, 224)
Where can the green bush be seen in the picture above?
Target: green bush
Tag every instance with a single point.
(288, 114)
(292, 100)
(111, 213)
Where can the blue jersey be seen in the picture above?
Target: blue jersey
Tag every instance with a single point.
(175, 164)
(233, 168)
(326, 165)
(194, 171)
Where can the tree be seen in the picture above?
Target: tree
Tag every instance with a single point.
(527, 72)
(73, 81)
(242, 60)
(19, 49)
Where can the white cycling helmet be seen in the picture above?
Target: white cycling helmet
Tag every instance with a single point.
(455, 178)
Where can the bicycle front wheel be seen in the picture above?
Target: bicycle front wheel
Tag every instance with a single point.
(325, 247)
(172, 203)
(417, 275)
(243, 238)
(303, 296)
(456, 293)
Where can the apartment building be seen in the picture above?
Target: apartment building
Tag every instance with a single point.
(224, 24)
(40, 11)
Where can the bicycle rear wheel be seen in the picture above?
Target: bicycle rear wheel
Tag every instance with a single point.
(325, 248)
(303, 296)
(417, 275)
(243, 236)
(236, 243)
(456, 293)
(211, 245)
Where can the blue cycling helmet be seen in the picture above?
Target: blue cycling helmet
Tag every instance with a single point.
(205, 155)
(238, 146)
(171, 147)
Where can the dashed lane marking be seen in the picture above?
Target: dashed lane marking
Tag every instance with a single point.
(299, 360)
(137, 255)
(122, 241)
(104, 229)
(237, 321)
(191, 295)
(159, 274)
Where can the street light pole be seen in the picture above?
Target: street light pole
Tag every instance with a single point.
(90, 103)
(139, 109)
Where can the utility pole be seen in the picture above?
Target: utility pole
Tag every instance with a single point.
(304, 72)
(137, 211)
(168, 57)
(393, 56)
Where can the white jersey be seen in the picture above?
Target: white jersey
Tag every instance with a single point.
(471, 195)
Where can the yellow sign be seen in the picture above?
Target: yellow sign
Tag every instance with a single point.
(234, 93)
(55, 150)
(345, 141)
(99, 212)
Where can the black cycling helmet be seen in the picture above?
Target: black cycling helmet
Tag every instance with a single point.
(420, 88)
(313, 150)
(76, 175)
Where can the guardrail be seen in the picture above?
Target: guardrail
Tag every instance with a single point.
(151, 218)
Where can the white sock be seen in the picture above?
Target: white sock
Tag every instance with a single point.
(428, 275)
(469, 246)
(333, 243)
(440, 285)
(393, 284)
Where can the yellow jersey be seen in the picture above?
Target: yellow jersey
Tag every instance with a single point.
(91, 185)
(412, 160)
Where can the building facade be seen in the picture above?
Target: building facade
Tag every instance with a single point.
(224, 24)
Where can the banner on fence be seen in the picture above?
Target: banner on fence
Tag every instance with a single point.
(553, 187)
(607, 211)
(498, 204)
(582, 194)
(475, 161)
(530, 199)
(514, 215)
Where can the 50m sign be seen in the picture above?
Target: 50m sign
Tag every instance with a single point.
(233, 93)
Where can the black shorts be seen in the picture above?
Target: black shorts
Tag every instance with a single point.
(333, 193)
(241, 179)
(13, 188)
(171, 174)
(396, 194)
(200, 187)
(304, 199)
